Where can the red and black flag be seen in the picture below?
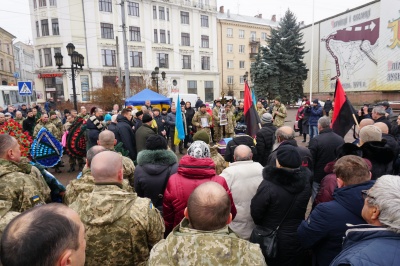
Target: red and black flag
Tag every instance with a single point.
(343, 111)
(251, 116)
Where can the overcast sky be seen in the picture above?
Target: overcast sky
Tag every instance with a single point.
(14, 16)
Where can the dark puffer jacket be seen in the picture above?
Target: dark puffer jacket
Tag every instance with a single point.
(126, 135)
(369, 245)
(192, 172)
(271, 202)
(94, 127)
(152, 173)
(380, 156)
(325, 227)
(265, 142)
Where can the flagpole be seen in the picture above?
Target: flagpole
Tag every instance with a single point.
(312, 51)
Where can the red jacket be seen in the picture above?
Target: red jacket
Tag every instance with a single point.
(192, 172)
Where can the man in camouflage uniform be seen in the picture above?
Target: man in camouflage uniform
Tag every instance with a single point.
(86, 182)
(17, 186)
(231, 106)
(19, 118)
(231, 123)
(121, 228)
(44, 122)
(198, 116)
(6, 215)
(260, 109)
(239, 113)
(203, 237)
(56, 121)
(279, 113)
(216, 122)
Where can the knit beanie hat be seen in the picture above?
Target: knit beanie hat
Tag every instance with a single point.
(288, 156)
(266, 118)
(202, 135)
(146, 118)
(52, 113)
(315, 101)
(199, 149)
(107, 117)
(156, 142)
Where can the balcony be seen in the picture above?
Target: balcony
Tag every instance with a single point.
(254, 40)
(253, 55)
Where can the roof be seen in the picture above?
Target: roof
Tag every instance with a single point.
(7, 33)
(247, 19)
(146, 94)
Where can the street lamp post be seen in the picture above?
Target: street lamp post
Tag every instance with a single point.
(154, 76)
(77, 62)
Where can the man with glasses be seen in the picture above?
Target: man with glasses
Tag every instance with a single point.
(379, 242)
(325, 228)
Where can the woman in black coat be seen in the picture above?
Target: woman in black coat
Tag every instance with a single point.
(286, 183)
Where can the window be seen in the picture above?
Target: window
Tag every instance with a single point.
(53, 2)
(229, 32)
(162, 37)
(45, 27)
(229, 48)
(133, 9)
(204, 41)
(169, 37)
(40, 58)
(136, 59)
(2, 64)
(154, 12)
(8, 49)
(230, 79)
(264, 36)
(204, 21)
(186, 62)
(155, 36)
(54, 26)
(161, 12)
(34, 4)
(42, 3)
(241, 34)
(185, 39)
(105, 5)
(162, 60)
(241, 49)
(209, 91)
(107, 31)
(184, 17)
(229, 64)
(241, 94)
(253, 35)
(241, 79)
(10, 66)
(241, 64)
(47, 57)
(57, 50)
(37, 29)
(205, 63)
(134, 33)
(168, 14)
(192, 86)
(108, 57)
(85, 87)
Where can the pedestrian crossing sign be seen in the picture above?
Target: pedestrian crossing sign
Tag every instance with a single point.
(25, 88)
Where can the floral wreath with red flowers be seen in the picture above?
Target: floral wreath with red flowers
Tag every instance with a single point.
(14, 129)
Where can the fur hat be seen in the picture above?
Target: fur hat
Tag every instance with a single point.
(202, 135)
(156, 142)
(288, 156)
(146, 118)
(199, 149)
(266, 118)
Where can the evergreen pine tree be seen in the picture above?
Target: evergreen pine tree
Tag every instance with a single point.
(279, 68)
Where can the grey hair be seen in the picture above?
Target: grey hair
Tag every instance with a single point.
(324, 122)
(385, 195)
(283, 135)
(370, 133)
(380, 110)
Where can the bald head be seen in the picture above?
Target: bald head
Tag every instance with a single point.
(383, 127)
(242, 153)
(366, 122)
(107, 139)
(101, 170)
(284, 133)
(93, 151)
(208, 207)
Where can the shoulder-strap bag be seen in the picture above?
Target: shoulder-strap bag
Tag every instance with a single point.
(161, 195)
(268, 238)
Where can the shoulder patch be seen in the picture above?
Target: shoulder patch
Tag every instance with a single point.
(36, 201)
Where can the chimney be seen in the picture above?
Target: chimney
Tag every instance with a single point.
(273, 18)
(228, 14)
(258, 15)
(221, 9)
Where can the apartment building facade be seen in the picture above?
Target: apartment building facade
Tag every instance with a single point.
(178, 36)
(7, 67)
(24, 60)
(239, 38)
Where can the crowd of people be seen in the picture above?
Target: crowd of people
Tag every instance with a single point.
(135, 202)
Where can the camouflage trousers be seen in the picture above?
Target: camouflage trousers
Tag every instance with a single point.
(72, 160)
(217, 133)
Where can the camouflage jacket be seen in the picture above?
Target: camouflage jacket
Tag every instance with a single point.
(230, 127)
(20, 121)
(28, 168)
(196, 120)
(261, 111)
(58, 123)
(5, 215)
(215, 114)
(186, 246)
(219, 161)
(279, 118)
(85, 185)
(121, 228)
(18, 187)
(50, 126)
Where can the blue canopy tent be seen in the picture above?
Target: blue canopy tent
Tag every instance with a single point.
(140, 98)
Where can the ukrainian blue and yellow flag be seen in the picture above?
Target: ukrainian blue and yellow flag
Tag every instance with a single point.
(179, 130)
